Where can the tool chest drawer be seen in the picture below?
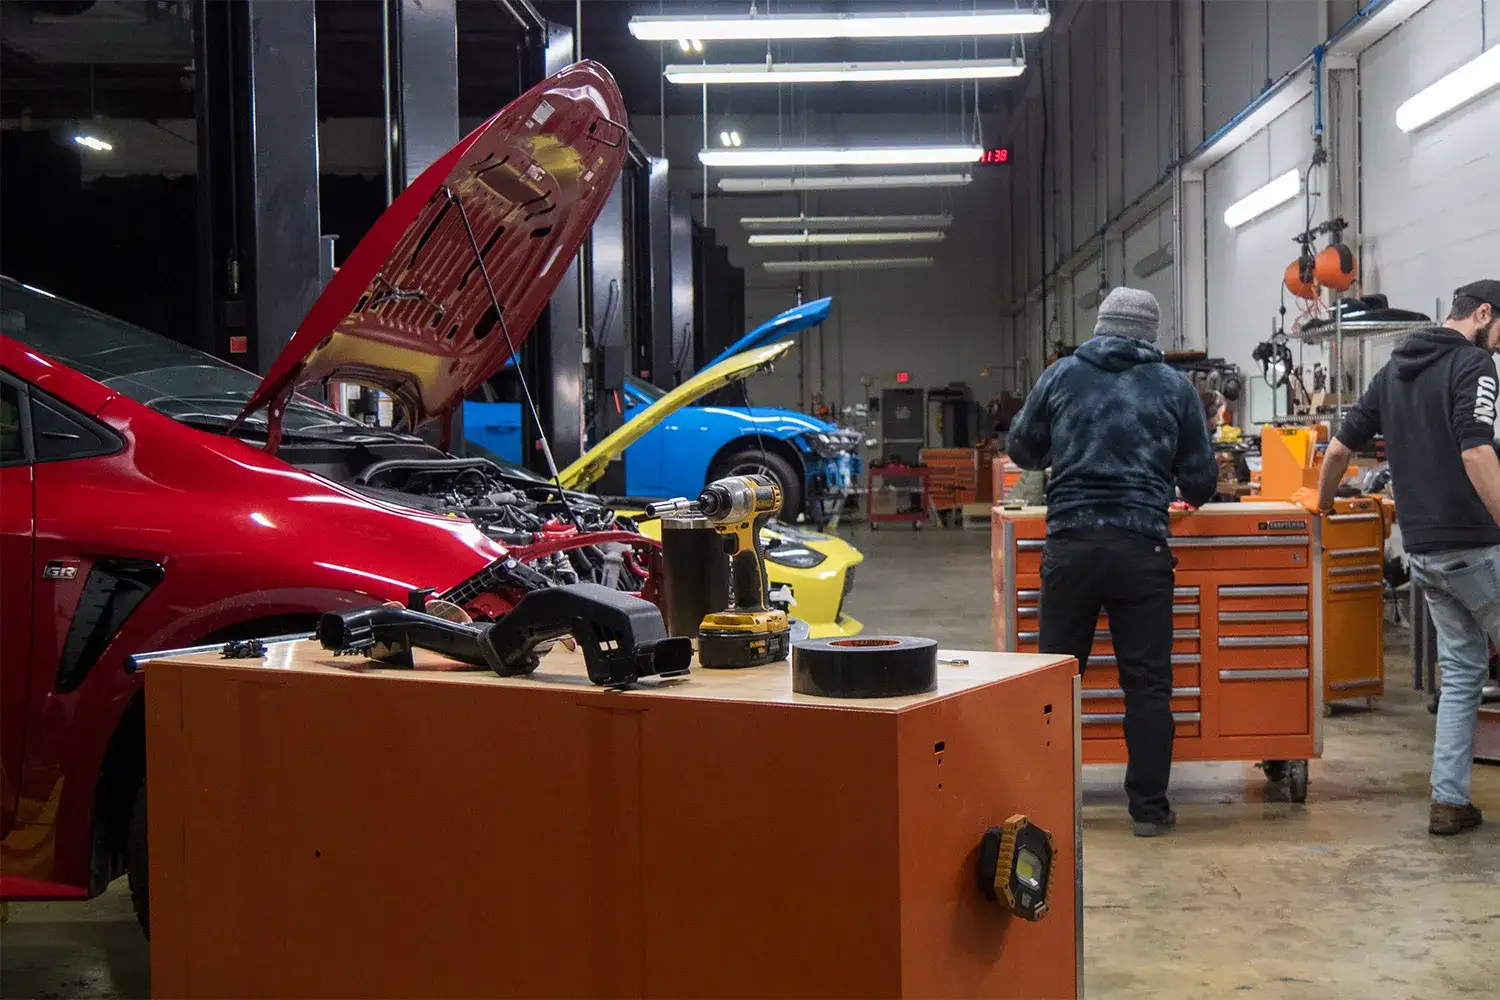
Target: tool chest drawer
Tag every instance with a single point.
(1184, 640)
(1104, 701)
(1213, 552)
(1263, 701)
(1277, 597)
(1102, 674)
(1111, 725)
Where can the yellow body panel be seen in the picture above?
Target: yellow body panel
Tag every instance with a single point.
(586, 471)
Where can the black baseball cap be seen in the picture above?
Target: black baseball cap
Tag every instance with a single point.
(1485, 290)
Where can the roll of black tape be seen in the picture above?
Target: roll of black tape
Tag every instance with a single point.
(874, 666)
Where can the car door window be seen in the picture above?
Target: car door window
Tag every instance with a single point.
(12, 431)
(59, 432)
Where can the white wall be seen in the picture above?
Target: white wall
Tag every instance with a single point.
(1249, 42)
(1245, 265)
(1431, 199)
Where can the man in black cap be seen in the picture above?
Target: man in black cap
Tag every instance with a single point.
(1122, 432)
(1435, 403)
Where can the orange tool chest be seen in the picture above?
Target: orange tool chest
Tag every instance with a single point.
(1247, 650)
(1004, 475)
(322, 827)
(956, 476)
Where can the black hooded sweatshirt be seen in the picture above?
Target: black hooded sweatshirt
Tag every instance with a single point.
(1433, 400)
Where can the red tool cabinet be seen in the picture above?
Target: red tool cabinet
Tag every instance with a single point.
(1247, 651)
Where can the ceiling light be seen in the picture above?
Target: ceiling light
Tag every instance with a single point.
(736, 139)
(763, 223)
(862, 157)
(935, 24)
(842, 239)
(847, 72)
(856, 264)
(90, 142)
(690, 44)
(1475, 77)
(1260, 201)
(723, 138)
(758, 185)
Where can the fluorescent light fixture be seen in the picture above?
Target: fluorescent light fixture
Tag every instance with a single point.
(867, 156)
(1260, 201)
(856, 264)
(1475, 77)
(847, 72)
(762, 185)
(1157, 260)
(690, 44)
(932, 24)
(90, 142)
(803, 222)
(842, 239)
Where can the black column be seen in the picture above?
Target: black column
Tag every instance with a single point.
(256, 95)
(421, 108)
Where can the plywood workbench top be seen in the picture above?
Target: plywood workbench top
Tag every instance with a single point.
(768, 685)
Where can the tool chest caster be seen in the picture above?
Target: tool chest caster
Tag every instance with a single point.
(1293, 772)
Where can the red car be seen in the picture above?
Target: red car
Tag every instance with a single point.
(154, 497)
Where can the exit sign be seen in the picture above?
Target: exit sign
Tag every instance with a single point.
(903, 377)
(1000, 154)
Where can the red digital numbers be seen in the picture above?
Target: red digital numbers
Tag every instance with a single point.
(1000, 155)
(903, 377)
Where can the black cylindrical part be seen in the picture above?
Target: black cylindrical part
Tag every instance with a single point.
(696, 577)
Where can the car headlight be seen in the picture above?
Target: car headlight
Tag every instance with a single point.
(796, 556)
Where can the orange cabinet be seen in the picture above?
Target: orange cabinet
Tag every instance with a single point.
(1247, 642)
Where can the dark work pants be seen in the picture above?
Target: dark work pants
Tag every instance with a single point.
(1130, 577)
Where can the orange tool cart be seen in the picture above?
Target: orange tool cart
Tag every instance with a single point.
(322, 827)
(1004, 475)
(1247, 650)
(1353, 539)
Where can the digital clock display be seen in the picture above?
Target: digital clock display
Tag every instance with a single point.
(999, 155)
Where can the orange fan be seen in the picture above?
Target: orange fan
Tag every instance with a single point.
(1336, 267)
(1299, 280)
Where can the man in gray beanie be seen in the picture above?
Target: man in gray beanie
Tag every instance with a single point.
(1122, 433)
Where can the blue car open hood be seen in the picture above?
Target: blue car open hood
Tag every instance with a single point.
(794, 320)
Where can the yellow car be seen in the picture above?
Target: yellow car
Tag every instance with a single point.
(810, 573)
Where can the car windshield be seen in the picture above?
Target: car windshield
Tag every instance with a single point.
(172, 378)
(646, 389)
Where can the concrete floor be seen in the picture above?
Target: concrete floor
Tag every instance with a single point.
(1346, 896)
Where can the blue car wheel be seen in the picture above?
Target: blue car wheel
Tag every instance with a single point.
(752, 461)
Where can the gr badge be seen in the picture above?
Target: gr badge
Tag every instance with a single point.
(1015, 865)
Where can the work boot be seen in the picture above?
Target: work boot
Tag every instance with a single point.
(1445, 820)
(1153, 827)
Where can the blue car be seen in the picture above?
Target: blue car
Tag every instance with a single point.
(810, 458)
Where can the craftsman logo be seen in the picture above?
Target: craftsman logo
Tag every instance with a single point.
(1484, 399)
(1283, 526)
(61, 569)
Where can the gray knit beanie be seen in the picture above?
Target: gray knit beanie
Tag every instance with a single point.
(1129, 312)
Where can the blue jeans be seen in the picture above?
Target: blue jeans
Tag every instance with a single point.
(1462, 588)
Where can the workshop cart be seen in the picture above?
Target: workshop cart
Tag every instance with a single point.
(709, 835)
(896, 481)
(1247, 640)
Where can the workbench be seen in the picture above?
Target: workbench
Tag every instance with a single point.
(1247, 649)
(322, 828)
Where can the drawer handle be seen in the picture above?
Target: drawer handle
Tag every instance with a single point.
(1178, 660)
(1098, 693)
(1345, 588)
(1346, 685)
(1036, 595)
(1262, 616)
(1114, 718)
(1237, 542)
(1352, 570)
(1177, 633)
(1031, 611)
(1298, 590)
(1345, 518)
(1261, 641)
(1184, 591)
(1263, 675)
(1351, 553)
(1030, 544)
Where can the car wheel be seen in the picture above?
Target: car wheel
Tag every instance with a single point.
(753, 461)
(136, 862)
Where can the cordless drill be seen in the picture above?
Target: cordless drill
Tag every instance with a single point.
(747, 633)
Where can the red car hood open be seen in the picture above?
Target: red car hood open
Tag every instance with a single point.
(409, 312)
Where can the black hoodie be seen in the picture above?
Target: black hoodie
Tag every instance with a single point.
(1434, 400)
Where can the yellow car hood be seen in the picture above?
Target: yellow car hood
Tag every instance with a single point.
(587, 470)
